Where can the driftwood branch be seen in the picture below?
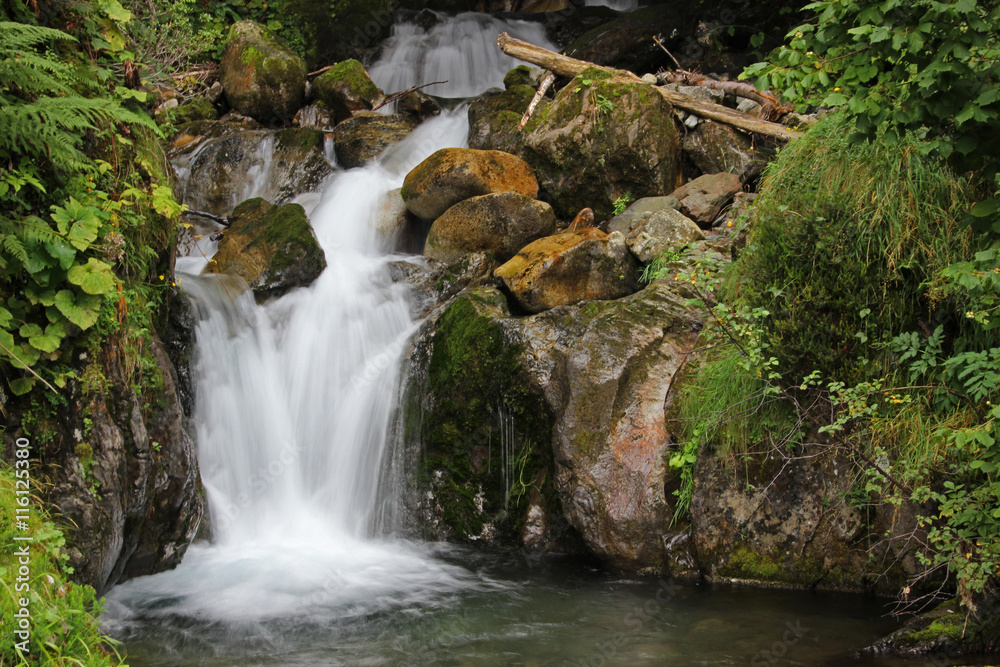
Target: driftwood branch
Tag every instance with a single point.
(571, 67)
(403, 93)
(211, 216)
(539, 94)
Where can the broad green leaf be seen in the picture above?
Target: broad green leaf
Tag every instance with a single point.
(45, 343)
(84, 232)
(5, 317)
(22, 386)
(62, 251)
(114, 11)
(94, 277)
(29, 329)
(80, 309)
(985, 208)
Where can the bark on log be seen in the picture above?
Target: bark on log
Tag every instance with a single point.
(566, 66)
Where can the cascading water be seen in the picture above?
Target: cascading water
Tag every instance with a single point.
(460, 50)
(617, 5)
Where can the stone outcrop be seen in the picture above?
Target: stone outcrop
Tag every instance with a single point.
(568, 268)
(716, 147)
(499, 224)
(363, 137)
(600, 141)
(260, 76)
(454, 174)
(273, 248)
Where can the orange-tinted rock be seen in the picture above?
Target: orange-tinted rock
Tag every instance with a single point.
(452, 175)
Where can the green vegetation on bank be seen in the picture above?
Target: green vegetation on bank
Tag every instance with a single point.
(863, 315)
(63, 623)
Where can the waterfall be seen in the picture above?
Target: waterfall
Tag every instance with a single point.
(461, 50)
(617, 5)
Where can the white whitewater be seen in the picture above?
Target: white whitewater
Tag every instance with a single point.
(294, 402)
(461, 50)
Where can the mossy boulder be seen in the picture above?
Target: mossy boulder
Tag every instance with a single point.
(568, 268)
(454, 174)
(601, 140)
(346, 89)
(499, 224)
(273, 248)
(195, 109)
(485, 429)
(362, 138)
(261, 77)
(494, 117)
(946, 632)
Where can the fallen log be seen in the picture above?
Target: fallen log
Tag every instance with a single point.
(225, 222)
(571, 67)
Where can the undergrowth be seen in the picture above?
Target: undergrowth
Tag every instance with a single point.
(64, 628)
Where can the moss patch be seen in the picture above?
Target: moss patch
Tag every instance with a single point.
(480, 400)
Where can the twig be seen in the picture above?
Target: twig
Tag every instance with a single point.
(660, 44)
(225, 222)
(28, 368)
(539, 94)
(320, 70)
(395, 96)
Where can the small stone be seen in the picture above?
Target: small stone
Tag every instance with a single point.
(650, 79)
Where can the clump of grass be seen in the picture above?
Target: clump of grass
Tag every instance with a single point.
(64, 627)
(846, 247)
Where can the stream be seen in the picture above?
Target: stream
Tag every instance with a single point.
(295, 400)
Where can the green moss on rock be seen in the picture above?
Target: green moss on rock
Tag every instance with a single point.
(345, 89)
(479, 398)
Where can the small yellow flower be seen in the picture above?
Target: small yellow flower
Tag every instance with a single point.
(837, 89)
(161, 276)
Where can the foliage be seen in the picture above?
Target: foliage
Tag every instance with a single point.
(923, 67)
(847, 246)
(65, 628)
(621, 203)
(77, 217)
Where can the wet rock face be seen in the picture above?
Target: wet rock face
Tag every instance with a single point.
(125, 472)
(452, 175)
(568, 268)
(290, 162)
(499, 224)
(600, 141)
(273, 248)
(345, 90)
(362, 138)
(260, 76)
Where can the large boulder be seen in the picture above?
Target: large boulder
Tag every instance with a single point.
(500, 224)
(704, 198)
(273, 248)
(261, 77)
(289, 162)
(568, 268)
(453, 174)
(346, 89)
(494, 117)
(362, 138)
(601, 140)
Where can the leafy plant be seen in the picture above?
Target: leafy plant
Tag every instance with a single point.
(895, 67)
(621, 203)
